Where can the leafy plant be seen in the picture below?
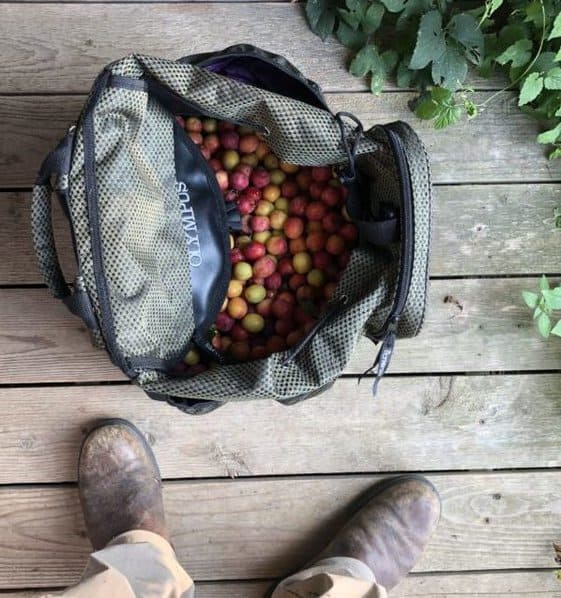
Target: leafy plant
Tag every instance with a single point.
(544, 303)
(429, 45)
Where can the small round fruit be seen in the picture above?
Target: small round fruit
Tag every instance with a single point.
(302, 262)
(215, 164)
(230, 159)
(211, 142)
(239, 181)
(262, 237)
(217, 342)
(262, 150)
(277, 246)
(289, 168)
(224, 322)
(239, 333)
(329, 290)
(298, 206)
(245, 205)
(260, 178)
(192, 357)
(315, 210)
(274, 281)
(235, 288)
(275, 344)
(264, 267)
(264, 307)
(254, 250)
(321, 174)
(284, 327)
(321, 260)
(315, 241)
(194, 124)
(253, 323)
(230, 140)
(271, 162)
(237, 308)
(287, 296)
(316, 278)
(195, 137)
(349, 232)
(222, 178)
(301, 316)
(224, 125)
(260, 224)
(282, 309)
(240, 351)
(278, 218)
(330, 196)
(243, 240)
(294, 337)
(259, 352)
(305, 293)
(250, 159)
(249, 143)
(282, 204)
(226, 342)
(210, 125)
(255, 293)
(335, 245)
(297, 245)
(296, 281)
(263, 208)
(332, 222)
(277, 176)
(242, 271)
(289, 189)
(236, 255)
(206, 153)
(285, 267)
(304, 178)
(253, 194)
(293, 227)
(271, 192)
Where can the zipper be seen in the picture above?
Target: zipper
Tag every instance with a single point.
(387, 334)
(334, 308)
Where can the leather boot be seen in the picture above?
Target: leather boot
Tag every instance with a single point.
(389, 532)
(119, 483)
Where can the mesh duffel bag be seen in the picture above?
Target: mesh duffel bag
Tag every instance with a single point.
(151, 229)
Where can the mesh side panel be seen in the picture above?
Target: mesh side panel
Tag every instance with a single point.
(297, 132)
(145, 258)
(365, 282)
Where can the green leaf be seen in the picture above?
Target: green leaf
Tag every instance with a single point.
(544, 283)
(430, 40)
(404, 74)
(450, 69)
(553, 78)
(449, 115)
(556, 153)
(550, 136)
(427, 109)
(377, 81)
(556, 29)
(537, 312)
(552, 298)
(390, 58)
(372, 18)
(544, 325)
(558, 56)
(530, 299)
(531, 88)
(518, 53)
(441, 95)
(350, 38)
(556, 330)
(352, 19)
(314, 11)
(366, 60)
(465, 30)
(394, 5)
(534, 13)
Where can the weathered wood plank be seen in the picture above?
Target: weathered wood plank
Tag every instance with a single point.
(477, 230)
(65, 54)
(420, 423)
(498, 146)
(265, 528)
(472, 325)
(513, 584)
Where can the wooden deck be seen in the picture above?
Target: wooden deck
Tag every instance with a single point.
(474, 401)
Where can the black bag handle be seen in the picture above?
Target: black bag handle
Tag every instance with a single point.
(57, 163)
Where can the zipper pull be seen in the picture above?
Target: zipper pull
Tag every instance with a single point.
(334, 308)
(383, 359)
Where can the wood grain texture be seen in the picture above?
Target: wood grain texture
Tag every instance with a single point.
(266, 528)
(477, 230)
(498, 146)
(65, 52)
(415, 423)
(472, 325)
(512, 584)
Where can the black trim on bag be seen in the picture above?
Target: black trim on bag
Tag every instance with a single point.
(92, 197)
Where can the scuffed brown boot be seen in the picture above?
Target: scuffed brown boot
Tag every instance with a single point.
(119, 483)
(389, 532)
